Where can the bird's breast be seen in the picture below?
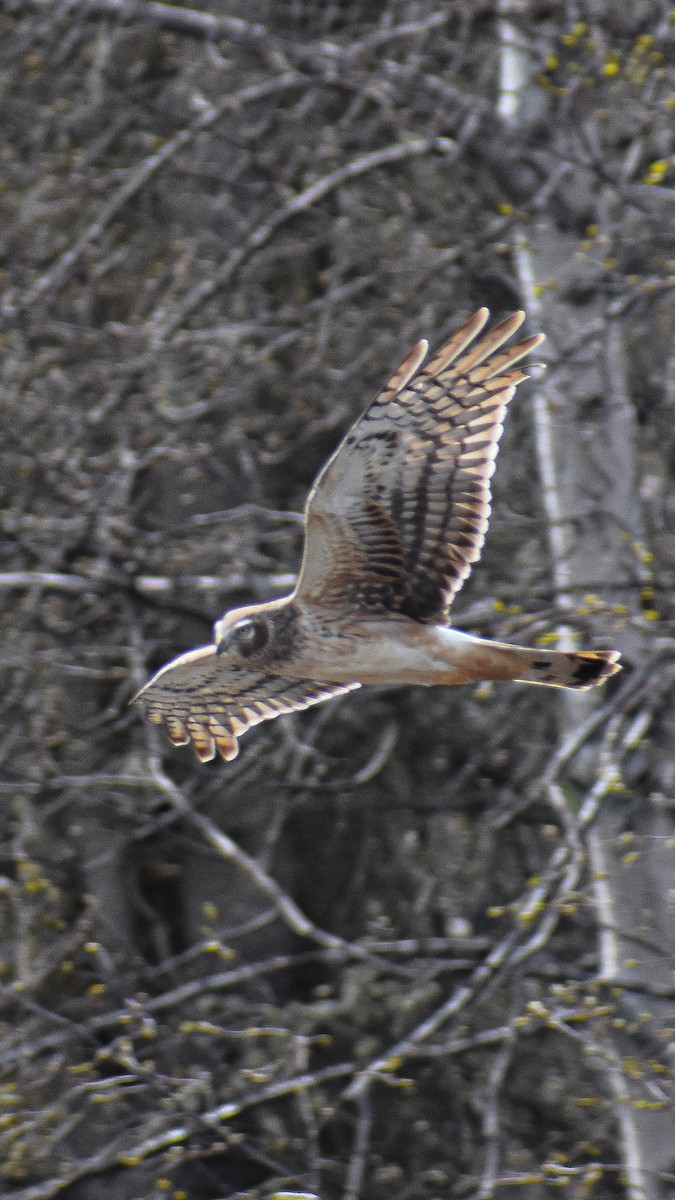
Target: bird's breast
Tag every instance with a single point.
(379, 650)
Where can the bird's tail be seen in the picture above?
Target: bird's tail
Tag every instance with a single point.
(579, 670)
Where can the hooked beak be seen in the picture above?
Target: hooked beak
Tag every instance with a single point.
(218, 637)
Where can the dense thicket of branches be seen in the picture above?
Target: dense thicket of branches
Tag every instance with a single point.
(368, 958)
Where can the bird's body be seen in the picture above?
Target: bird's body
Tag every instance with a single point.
(395, 650)
(393, 524)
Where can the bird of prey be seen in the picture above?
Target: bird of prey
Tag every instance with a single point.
(393, 523)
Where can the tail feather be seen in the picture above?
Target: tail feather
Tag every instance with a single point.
(466, 659)
(579, 670)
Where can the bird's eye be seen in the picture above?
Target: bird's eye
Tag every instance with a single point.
(248, 635)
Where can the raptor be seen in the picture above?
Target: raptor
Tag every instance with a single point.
(393, 524)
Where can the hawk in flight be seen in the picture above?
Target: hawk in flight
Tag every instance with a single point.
(393, 524)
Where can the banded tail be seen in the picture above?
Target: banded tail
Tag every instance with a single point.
(579, 670)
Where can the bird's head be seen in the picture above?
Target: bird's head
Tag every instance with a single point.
(242, 633)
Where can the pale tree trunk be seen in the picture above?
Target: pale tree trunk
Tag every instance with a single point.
(586, 457)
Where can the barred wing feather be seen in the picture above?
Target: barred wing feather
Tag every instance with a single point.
(200, 699)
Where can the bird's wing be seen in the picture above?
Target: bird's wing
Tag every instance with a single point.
(399, 512)
(200, 698)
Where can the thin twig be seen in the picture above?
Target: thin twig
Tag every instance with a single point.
(356, 1168)
(163, 324)
(176, 1135)
(228, 849)
(58, 275)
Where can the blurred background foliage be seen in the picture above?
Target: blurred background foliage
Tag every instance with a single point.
(370, 957)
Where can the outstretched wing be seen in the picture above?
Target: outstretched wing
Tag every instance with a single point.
(399, 513)
(201, 699)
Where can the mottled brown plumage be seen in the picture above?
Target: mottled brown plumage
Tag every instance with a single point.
(393, 524)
